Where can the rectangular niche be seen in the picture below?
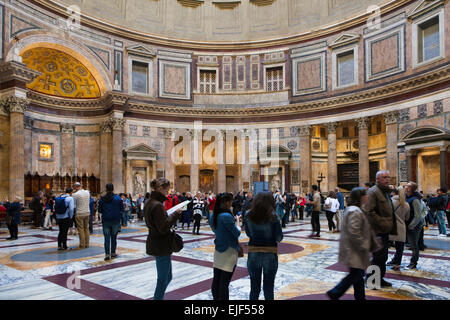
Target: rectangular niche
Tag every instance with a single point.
(385, 53)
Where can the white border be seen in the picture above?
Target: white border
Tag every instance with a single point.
(187, 69)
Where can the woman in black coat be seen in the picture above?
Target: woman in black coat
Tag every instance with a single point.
(13, 217)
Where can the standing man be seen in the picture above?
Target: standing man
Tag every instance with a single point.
(414, 225)
(315, 216)
(441, 205)
(198, 205)
(340, 198)
(82, 200)
(64, 209)
(380, 212)
(140, 207)
(111, 207)
(37, 205)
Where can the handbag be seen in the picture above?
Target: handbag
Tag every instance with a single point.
(176, 242)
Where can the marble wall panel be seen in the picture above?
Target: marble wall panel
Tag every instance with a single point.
(385, 54)
(41, 166)
(174, 80)
(308, 74)
(87, 154)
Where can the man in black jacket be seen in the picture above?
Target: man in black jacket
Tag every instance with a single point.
(37, 206)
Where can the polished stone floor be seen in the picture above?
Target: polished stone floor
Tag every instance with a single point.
(32, 268)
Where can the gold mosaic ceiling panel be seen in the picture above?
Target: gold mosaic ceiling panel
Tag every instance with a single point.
(62, 74)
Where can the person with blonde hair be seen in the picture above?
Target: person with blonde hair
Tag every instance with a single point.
(401, 210)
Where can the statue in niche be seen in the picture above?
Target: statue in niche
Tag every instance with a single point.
(139, 184)
(275, 183)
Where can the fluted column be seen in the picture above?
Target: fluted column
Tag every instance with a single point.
(305, 158)
(221, 163)
(246, 160)
(117, 125)
(390, 119)
(170, 166)
(105, 154)
(332, 156)
(363, 139)
(16, 107)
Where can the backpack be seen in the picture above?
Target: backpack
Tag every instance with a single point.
(60, 205)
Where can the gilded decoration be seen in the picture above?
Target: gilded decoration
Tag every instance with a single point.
(62, 75)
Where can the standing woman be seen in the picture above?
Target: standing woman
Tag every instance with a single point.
(357, 241)
(13, 217)
(227, 231)
(263, 227)
(401, 211)
(160, 234)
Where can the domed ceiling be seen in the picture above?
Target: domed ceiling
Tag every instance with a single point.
(62, 75)
(219, 20)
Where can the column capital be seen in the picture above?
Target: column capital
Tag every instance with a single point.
(14, 104)
(67, 128)
(391, 117)
(27, 123)
(331, 127)
(168, 132)
(363, 123)
(117, 124)
(305, 130)
(105, 126)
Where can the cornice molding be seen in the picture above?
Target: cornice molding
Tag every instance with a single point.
(13, 70)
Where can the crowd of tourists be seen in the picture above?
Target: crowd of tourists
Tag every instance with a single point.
(371, 219)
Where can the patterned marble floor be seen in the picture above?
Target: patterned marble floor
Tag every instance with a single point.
(32, 269)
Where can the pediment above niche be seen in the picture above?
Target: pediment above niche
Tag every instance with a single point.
(141, 152)
(423, 7)
(345, 39)
(140, 50)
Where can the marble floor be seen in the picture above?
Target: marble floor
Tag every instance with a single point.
(32, 269)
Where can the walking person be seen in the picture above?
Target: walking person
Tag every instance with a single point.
(37, 205)
(64, 210)
(401, 210)
(13, 217)
(331, 206)
(341, 200)
(226, 228)
(414, 225)
(82, 200)
(49, 210)
(356, 243)
(263, 228)
(380, 212)
(441, 205)
(110, 206)
(315, 218)
(159, 234)
(197, 206)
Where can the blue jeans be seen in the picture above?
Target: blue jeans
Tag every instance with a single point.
(110, 230)
(440, 217)
(124, 218)
(355, 278)
(258, 263)
(413, 239)
(164, 270)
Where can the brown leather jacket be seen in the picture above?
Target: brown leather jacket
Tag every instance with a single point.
(379, 210)
(158, 223)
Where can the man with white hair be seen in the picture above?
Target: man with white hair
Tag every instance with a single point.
(380, 212)
(82, 199)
